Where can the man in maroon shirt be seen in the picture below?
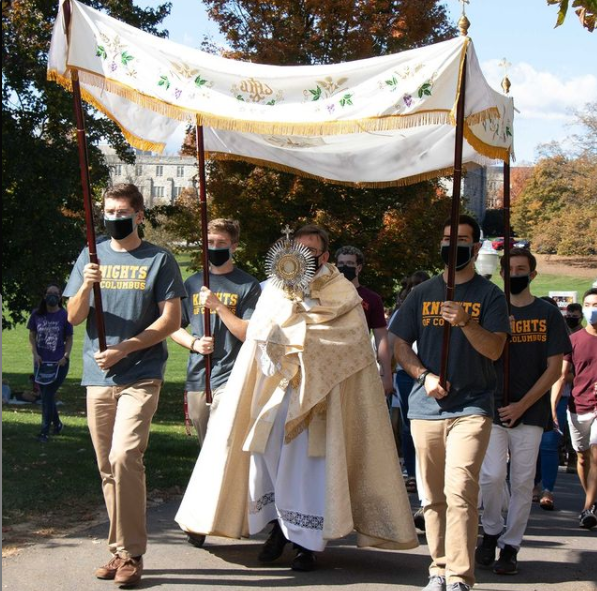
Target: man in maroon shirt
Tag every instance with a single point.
(349, 261)
(582, 407)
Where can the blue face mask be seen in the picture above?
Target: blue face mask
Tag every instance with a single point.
(590, 315)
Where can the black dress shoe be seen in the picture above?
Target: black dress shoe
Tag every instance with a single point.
(304, 561)
(196, 540)
(274, 545)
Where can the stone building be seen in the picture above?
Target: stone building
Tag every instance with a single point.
(159, 178)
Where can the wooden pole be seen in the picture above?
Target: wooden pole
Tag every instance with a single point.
(506, 257)
(87, 201)
(200, 147)
(450, 284)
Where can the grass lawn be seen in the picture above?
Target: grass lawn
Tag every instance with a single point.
(58, 482)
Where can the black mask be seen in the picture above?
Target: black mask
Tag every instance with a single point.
(218, 256)
(120, 228)
(52, 300)
(464, 254)
(572, 322)
(349, 272)
(519, 283)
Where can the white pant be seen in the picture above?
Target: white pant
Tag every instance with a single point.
(521, 445)
(288, 485)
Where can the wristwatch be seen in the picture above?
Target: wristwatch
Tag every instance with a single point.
(421, 378)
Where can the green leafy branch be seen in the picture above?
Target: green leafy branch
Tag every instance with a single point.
(125, 58)
(424, 90)
(346, 100)
(316, 93)
(393, 84)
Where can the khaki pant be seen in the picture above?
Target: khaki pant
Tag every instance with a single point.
(199, 411)
(450, 453)
(119, 420)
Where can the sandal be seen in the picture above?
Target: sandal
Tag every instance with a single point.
(536, 494)
(546, 501)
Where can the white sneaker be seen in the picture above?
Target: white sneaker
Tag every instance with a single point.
(436, 583)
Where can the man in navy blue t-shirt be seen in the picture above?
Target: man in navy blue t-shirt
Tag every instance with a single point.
(451, 426)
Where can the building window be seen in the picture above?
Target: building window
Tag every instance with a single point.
(159, 170)
(117, 170)
(138, 170)
(177, 191)
(180, 171)
(158, 192)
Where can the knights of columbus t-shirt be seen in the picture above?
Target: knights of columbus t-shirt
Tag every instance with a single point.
(538, 332)
(472, 376)
(239, 292)
(133, 284)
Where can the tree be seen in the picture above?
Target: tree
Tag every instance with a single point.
(41, 187)
(558, 207)
(399, 228)
(586, 10)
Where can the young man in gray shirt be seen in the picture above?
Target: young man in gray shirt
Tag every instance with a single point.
(141, 289)
(231, 299)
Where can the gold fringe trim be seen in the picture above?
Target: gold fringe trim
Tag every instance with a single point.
(411, 180)
(489, 113)
(296, 427)
(372, 124)
(463, 51)
(134, 140)
(494, 152)
(336, 127)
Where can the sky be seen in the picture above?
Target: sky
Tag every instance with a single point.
(552, 71)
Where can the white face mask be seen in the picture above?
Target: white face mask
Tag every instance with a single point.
(590, 315)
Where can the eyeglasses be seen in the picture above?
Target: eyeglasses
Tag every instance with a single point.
(314, 251)
(119, 213)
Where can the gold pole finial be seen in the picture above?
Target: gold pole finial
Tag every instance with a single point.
(464, 23)
(506, 84)
(505, 64)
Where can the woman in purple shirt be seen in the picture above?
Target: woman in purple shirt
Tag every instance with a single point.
(51, 338)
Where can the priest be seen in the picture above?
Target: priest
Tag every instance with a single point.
(302, 438)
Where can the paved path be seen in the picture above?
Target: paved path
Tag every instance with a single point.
(557, 555)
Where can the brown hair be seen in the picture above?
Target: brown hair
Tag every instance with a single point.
(521, 252)
(230, 227)
(126, 191)
(313, 229)
(351, 250)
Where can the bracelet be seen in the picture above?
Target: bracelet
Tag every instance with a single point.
(192, 347)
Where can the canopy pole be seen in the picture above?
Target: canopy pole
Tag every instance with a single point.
(506, 261)
(456, 182)
(506, 207)
(200, 148)
(86, 185)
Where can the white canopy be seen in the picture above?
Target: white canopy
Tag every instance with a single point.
(375, 122)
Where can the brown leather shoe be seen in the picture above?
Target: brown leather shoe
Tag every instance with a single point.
(108, 571)
(129, 572)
